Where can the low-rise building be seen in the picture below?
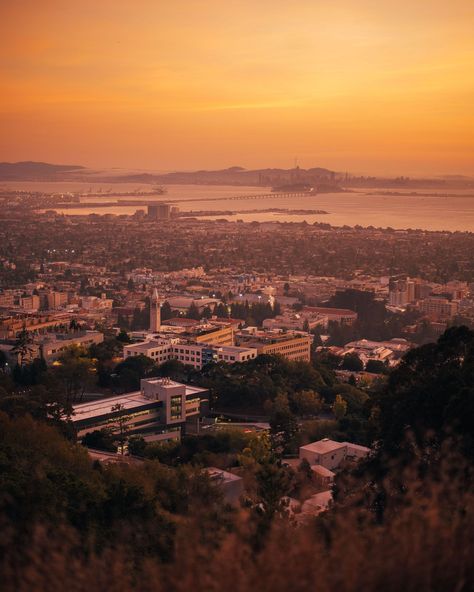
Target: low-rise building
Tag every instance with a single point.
(294, 346)
(161, 410)
(388, 352)
(30, 303)
(323, 477)
(298, 321)
(343, 316)
(11, 325)
(330, 454)
(188, 352)
(216, 335)
(230, 485)
(52, 346)
(183, 303)
(7, 298)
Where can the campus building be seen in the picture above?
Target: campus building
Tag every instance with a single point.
(10, 326)
(161, 410)
(188, 352)
(389, 352)
(343, 316)
(297, 321)
(439, 309)
(51, 345)
(217, 336)
(294, 346)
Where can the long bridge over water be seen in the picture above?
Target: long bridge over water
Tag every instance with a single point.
(148, 202)
(251, 196)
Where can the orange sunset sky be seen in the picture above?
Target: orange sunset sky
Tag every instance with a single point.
(369, 86)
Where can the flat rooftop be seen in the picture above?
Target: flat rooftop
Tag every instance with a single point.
(324, 446)
(146, 345)
(172, 384)
(83, 411)
(91, 409)
(357, 447)
(234, 349)
(220, 475)
(329, 310)
(322, 471)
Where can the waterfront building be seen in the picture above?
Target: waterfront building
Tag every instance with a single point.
(159, 211)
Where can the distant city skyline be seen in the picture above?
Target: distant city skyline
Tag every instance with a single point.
(371, 88)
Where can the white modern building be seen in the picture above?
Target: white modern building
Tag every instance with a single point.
(192, 354)
(161, 410)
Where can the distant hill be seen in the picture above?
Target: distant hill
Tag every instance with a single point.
(230, 176)
(235, 175)
(34, 171)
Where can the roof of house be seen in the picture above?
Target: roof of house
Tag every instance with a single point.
(323, 446)
(357, 447)
(219, 475)
(317, 502)
(322, 471)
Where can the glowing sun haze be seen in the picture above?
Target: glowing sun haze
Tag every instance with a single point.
(381, 86)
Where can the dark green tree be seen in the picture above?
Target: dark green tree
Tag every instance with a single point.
(376, 367)
(221, 311)
(430, 395)
(23, 347)
(352, 362)
(166, 312)
(193, 312)
(100, 439)
(283, 426)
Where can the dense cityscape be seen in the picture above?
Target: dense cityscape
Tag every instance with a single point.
(255, 362)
